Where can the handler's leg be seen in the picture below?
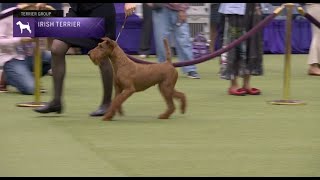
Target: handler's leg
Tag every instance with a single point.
(107, 80)
(58, 51)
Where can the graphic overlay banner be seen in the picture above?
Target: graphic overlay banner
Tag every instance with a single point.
(38, 13)
(46, 24)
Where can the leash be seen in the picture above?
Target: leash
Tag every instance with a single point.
(124, 22)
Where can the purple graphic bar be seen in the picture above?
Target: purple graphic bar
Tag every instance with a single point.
(64, 27)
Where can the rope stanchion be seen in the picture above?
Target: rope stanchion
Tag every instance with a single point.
(287, 63)
(254, 30)
(37, 66)
(309, 17)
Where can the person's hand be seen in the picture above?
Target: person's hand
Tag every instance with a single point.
(26, 40)
(41, 6)
(258, 10)
(129, 8)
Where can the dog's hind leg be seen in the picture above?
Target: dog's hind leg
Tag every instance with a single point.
(183, 100)
(167, 93)
(117, 102)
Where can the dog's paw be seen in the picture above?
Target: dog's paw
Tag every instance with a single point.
(120, 111)
(107, 118)
(163, 116)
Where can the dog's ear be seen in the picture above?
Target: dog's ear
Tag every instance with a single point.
(107, 41)
(110, 43)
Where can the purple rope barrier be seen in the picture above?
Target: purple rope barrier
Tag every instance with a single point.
(7, 12)
(312, 19)
(236, 42)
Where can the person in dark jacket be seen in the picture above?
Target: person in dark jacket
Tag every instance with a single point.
(146, 32)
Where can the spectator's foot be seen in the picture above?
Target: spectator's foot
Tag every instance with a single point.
(193, 75)
(100, 111)
(42, 90)
(313, 71)
(49, 72)
(237, 91)
(251, 91)
(3, 89)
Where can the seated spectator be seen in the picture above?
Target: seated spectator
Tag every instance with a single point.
(16, 58)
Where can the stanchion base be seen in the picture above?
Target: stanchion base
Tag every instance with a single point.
(31, 104)
(287, 102)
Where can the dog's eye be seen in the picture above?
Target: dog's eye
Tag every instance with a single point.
(100, 45)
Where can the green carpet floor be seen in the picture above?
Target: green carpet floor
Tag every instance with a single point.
(220, 135)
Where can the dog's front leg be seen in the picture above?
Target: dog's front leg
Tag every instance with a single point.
(117, 102)
(118, 90)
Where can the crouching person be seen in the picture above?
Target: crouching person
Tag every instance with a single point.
(16, 58)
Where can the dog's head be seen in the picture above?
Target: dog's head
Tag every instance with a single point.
(103, 50)
(19, 22)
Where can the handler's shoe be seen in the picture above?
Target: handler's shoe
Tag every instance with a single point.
(49, 108)
(100, 111)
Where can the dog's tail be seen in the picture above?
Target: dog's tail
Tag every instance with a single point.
(183, 100)
(168, 51)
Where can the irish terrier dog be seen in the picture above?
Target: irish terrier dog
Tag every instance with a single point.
(131, 77)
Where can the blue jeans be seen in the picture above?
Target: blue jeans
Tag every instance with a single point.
(164, 23)
(18, 73)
